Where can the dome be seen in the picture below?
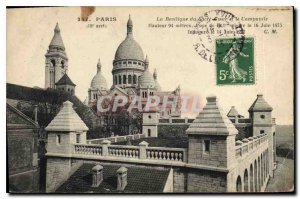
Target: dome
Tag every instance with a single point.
(99, 81)
(147, 80)
(129, 48)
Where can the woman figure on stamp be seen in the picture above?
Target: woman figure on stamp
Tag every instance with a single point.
(235, 72)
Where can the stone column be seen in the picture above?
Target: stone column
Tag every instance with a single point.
(143, 153)
(105, 145)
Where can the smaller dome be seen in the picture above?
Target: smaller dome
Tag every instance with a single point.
(99, 81)
(147, 80)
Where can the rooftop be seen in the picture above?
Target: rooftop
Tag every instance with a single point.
(24, 98)
(65, 80)
(260, 104)
(140, 179)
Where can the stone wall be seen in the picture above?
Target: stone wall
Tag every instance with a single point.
(179, 180)
(58, 171)
(206, 181)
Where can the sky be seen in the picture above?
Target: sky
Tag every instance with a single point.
(170, 51)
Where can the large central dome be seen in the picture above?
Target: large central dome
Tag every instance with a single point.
(129, 48)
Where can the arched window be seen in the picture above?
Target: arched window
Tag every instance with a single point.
(116, 80)
(134, 79)
(239, 184)
(53, 62)
(62, 64)
(246, 184)
(146, 94)
(129, 79)
(255, 177)
(124, 79)
(120, 80)
(251, 179)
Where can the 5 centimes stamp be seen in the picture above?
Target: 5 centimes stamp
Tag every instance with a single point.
(216, 24)
(237, 61)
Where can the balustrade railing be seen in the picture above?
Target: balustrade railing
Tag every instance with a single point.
(123, 151)
(243, 147)
(87, 149)
(143, 151)
(169, 154)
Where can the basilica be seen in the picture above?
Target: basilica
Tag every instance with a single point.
(132, 77)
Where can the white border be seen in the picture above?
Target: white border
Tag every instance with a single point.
(3, 5)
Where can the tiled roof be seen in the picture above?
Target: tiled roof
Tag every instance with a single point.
(212, 121)
(17, 94)
(140, 179)
(57, 40)
(67, 120)
(260, 104)
(65, 80)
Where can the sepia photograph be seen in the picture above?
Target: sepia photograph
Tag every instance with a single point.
(150, 100)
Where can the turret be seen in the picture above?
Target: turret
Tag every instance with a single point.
(211, 137)
(56, 60)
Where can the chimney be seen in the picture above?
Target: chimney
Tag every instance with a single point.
(97, 175)
(122, 178)
(35, 112)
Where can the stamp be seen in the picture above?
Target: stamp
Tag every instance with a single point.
(213, 25)
(237, 65)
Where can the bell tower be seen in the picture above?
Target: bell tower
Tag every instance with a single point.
(56, 60)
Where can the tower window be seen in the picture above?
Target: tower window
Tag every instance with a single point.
(62, 64)
(53, 62)
(149, 116)
(149, 132)
(129, 79)
(262, 116)
(58, 139)
(124, 62)
(77, 138)
(262, 131)
(120, 80)
(206, 146)
(129, 62)
(116, 81)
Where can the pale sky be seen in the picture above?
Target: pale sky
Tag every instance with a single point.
(170, 51)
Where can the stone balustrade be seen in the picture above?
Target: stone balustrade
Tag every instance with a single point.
(168, 154)
(143, 151)
(123, 151)
(87, 149)
(243, 147)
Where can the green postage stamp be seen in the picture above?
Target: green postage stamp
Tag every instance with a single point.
(235, 61)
